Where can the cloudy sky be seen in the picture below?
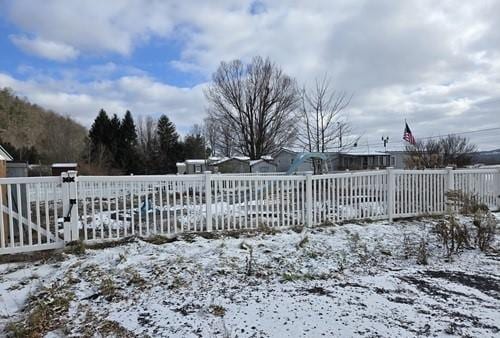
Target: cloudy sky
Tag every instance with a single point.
(437, 64)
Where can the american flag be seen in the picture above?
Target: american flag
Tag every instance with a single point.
(408, 136)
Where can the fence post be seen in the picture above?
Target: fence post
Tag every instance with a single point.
(208, 199)
(70, 209)
(390, 193)
(73, 199)
(498, 190)
(65, 206)
(450, 185)
(309, 197)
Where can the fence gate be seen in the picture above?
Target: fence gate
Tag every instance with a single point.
(31, 214)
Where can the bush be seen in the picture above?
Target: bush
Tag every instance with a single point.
(486, 225)
(453, 234)
(467, 204)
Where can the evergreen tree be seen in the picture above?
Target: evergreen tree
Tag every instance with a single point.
(195, 145)
(114, 141)
(128, 144)
(99, 135)
(168, 142)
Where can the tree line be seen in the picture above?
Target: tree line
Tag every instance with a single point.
(33, 134)
(150, 146)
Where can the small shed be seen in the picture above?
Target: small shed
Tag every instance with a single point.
(262, 166)
(195, 166)
(4, 158)
(58, 168)
(231, 165)
(17, 169)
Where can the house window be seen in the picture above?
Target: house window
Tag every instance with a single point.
(197, 168)
(393, 161)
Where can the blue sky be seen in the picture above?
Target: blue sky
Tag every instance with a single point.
(435, 64)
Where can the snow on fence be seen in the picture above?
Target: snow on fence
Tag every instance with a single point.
(47, 212)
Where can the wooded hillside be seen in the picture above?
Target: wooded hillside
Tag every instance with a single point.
(34, 134)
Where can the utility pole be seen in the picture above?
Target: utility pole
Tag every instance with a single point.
(385, 139)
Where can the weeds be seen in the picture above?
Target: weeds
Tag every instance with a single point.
(468, 204)
(44, 313)
(342, 261)
(292, 277)
(217, 310)
(108, 289)
(453, 235)
(249, 262)
(422, 252)
(303, 240)
(75, 248)
(486, 225)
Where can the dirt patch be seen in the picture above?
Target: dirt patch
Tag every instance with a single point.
(487, 285)
(429, 288)
(47, 256)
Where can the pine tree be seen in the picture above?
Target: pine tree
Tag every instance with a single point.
(128, 144)
(99, 135)
(195, 145)
(114, 141)
(169, 147)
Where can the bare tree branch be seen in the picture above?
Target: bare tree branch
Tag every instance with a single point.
(254, 106)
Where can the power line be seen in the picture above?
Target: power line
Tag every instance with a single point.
(437, 136)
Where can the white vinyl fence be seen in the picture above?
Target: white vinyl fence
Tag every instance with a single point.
(47, 212)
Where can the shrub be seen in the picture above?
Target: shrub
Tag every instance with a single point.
(422, 252)
(467, 204)
(453, 235)
(485, 224)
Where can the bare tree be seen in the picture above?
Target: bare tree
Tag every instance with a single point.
(323, 124)
(256, 102)
(452, 150)
(219, 137)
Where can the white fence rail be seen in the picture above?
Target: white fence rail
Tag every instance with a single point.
(30, 209)
(46, 212)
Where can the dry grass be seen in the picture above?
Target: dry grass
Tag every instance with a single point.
(43, 314)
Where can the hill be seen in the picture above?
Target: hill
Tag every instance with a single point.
(487, 157)
(35, 134)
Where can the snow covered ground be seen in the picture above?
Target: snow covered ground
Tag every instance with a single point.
(338, 281)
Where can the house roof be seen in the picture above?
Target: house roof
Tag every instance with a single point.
(252, 163)
(195, 161)
(364, 153)
(4, 155)
(236, 158)
(64, 165)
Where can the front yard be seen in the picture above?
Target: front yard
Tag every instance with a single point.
(365, 279)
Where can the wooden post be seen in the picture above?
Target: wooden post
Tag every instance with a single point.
(390, 193)
(309, 197)
(208, 199)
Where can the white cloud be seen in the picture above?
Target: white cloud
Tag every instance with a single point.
(52, 50)
(140, 94)
(435, 63)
